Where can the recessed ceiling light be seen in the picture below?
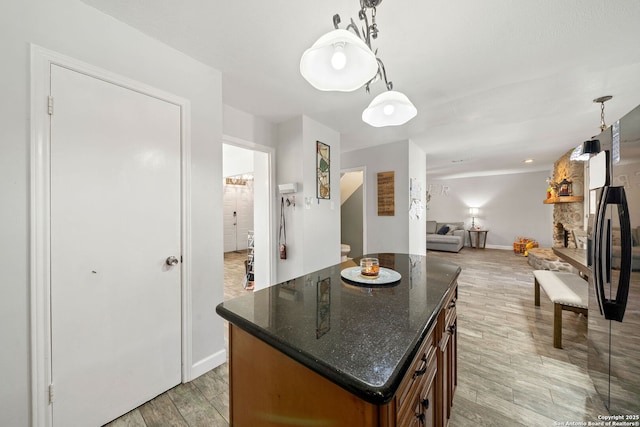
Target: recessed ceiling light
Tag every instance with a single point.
(528, 161)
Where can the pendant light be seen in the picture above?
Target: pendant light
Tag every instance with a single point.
(390, 108)
(338, 61)
(343, 60)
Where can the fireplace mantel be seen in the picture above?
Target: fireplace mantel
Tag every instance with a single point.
(563, 199)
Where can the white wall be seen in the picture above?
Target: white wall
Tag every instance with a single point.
(289, 170)
(390, 233)
(509, 206)
(264, 253)
(322, 221)
(247, 127)
(77, 30)
(418, 226)
(313, 231)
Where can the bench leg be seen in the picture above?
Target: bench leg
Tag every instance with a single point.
(557, 325)
(536, 292)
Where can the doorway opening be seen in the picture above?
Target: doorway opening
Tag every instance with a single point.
(247, 216)
(353, 213)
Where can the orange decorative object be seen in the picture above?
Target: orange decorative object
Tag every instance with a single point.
(522, 245)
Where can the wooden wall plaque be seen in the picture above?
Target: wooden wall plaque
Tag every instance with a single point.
(386, 194)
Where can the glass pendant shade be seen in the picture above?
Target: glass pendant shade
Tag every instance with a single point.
(338, 61)
(390, 108)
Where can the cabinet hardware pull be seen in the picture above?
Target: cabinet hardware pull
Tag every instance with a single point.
(420, 417)
(452, 305)
(422, 370)
(425, 403)
(452, 329)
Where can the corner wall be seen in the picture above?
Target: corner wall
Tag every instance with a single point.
(392, 233)
(313, 228)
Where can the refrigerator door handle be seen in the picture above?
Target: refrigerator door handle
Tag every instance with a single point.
(622, 294)
(598, 231)
(614, 309)
(607, 253)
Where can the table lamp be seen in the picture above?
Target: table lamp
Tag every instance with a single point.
(473, 212)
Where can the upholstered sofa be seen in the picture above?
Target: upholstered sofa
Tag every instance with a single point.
(445, 236)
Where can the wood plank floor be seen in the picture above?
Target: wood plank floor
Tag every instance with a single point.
(509, 374)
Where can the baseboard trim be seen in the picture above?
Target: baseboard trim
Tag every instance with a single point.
(208, 363)
(509, 248)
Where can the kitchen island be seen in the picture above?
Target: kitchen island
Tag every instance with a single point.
(320, 350)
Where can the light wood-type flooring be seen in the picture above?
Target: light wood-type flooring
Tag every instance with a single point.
(509, 374)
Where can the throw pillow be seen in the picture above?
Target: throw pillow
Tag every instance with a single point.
(452, 228)
(443, 230)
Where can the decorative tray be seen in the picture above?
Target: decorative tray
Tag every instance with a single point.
(385, 277)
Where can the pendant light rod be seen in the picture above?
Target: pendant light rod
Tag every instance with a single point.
(368, 32)
(601, 100)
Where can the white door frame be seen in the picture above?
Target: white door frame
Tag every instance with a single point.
(40, 227)
(270, 151)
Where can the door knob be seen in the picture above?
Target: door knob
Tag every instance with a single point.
(172, 261)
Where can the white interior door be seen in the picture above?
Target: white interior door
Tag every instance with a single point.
(115, 219)
(244, 204)
(230, 218)
(238, 216)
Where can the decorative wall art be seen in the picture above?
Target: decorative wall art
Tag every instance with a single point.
(415, 196)
(323, 171)
(239, 180)
(386, 194)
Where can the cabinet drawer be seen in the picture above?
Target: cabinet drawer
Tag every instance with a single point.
(449, 316)
(418, 372)
(450, 306)
(421, 405)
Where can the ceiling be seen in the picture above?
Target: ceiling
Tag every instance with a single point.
(495, 82)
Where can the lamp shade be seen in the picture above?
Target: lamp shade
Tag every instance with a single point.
(390, 108)
(473, 211)
(338, 61)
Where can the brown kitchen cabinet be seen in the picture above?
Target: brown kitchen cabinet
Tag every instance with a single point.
(448, 352)
(335, 355)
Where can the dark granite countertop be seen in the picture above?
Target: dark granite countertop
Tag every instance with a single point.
(362, 339)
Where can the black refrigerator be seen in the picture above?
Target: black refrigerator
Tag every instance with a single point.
(614, 257)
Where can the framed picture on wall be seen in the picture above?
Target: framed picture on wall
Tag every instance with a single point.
(323, 171)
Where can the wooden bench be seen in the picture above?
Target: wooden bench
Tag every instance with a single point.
(567, 291)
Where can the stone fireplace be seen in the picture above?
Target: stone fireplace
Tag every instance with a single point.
(568, 216)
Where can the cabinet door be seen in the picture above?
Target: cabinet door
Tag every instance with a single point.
(453, 367)
(423, 410)
(443, 377)
(447, 363)
(428, 404)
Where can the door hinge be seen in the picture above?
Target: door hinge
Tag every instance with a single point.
(50, 105)
(51, 394)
